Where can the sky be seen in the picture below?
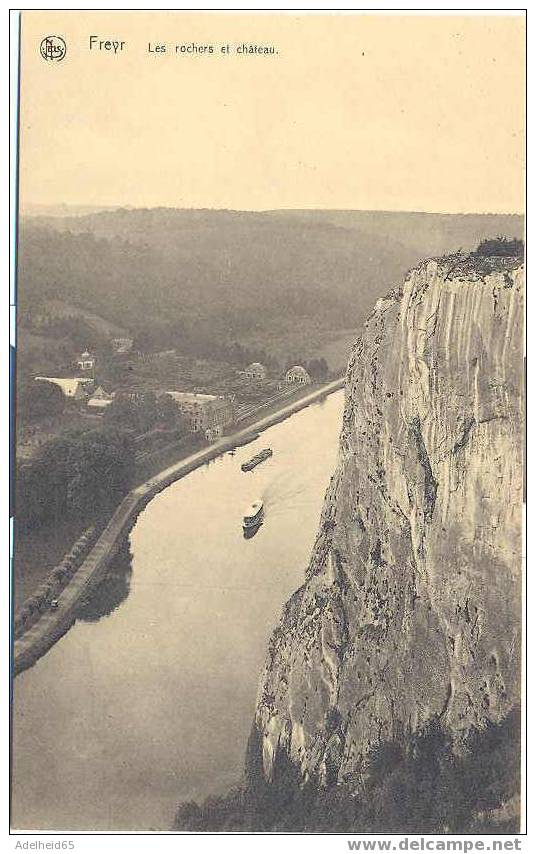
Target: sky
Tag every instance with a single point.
(351, 111)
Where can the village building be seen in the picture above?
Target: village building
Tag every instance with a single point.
(164, 355)
(256, 371)
(100, 399)
(132, 394)
(75, 388)
(122, 346)
(297, 376)
(208, 413)
(86, 361)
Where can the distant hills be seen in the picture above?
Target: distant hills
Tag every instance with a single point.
(64, 210)
(172, 276)
(425, 233)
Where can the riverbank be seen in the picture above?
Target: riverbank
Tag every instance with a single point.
(166, 457)
(54, 623)
(38, 550)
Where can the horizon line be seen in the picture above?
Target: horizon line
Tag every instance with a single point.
(130, 207)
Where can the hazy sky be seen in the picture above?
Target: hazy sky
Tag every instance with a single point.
(355, 111)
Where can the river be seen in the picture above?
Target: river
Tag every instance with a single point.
(148, 700)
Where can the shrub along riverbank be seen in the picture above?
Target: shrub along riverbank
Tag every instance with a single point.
(72, 484)
(53, 584)
(80, 478)
(76, 481)
(74, 475)
(33, 644)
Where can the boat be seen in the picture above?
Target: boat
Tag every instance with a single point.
(258, 458)
(253, 516)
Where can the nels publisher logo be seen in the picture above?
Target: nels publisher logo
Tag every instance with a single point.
(53, 48)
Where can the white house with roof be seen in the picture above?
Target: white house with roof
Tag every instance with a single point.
(86, 361)
(297, 376)
(75, 388)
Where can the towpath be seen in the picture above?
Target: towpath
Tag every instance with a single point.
(54, 623)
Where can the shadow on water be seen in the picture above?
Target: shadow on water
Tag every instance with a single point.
(113, 589)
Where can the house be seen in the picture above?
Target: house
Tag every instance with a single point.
(209, 413)
(100, 399)
(164, 355)
(297, 376)
(75, 388)
(256, 371)
(122, 346)
(86, 362)
(132, 394)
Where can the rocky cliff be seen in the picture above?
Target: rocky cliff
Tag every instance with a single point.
(411, 608)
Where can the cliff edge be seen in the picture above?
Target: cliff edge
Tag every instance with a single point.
(410, 613)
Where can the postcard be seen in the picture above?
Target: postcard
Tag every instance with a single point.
(269, 423)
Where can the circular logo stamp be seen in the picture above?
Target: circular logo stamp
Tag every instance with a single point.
(53, 48)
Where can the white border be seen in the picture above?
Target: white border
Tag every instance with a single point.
(231, 843)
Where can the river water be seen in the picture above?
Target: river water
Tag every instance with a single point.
(148, 700)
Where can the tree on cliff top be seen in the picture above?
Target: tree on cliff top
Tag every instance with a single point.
(502, 247)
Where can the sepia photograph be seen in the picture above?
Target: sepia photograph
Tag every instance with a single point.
(267, 558)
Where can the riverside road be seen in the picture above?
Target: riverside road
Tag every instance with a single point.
(54, 623)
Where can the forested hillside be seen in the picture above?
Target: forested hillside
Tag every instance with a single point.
(173, 277)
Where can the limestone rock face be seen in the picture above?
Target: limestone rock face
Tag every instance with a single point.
(411, 607)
